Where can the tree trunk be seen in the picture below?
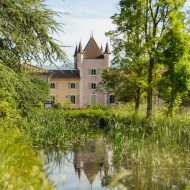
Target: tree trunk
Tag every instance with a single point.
(137, 98)
(150, 88)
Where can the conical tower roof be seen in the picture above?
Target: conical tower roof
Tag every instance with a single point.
(80, 48)
(91, 169)
(92, 51)
(107, 49)
(101, 48)
(76, 49)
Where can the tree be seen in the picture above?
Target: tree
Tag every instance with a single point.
(19, 94)
(142, 24)
(26, 33)
(175, 81)
(123, 84)
(128, 49)
(26, 30)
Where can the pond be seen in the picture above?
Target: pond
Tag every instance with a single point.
(91, 167)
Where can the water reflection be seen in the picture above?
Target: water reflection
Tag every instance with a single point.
(86, 168)
(91, 167)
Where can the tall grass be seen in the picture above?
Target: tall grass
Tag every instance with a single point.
(62, 128)
(157, 150)
(135, 132)
(148, 147)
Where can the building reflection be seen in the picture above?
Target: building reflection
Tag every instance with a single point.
(94, 160)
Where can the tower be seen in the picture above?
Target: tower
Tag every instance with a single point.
(91, 61)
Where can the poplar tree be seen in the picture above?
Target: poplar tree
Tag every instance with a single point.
(26, 33)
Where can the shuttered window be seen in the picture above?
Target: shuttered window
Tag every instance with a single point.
(73, 99)
(93, 98)
(53, 98)
(112, 99)
(93, 85)
(73, 85)
(52, 85)
(93, 72)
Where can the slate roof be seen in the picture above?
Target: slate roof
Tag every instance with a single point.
(65, 74)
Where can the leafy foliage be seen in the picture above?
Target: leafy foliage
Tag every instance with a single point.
(140, 27)
(19, 94)
(174, 83)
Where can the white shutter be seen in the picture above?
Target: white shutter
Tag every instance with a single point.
(77, 85)
(69, 98)
(108, 99)
(77, 99)
(99, 71)
(89, 85)
(89, 71)
(56, 85)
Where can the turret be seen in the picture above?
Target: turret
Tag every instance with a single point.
(80, 56)
(107, 54)
(75, 58)
(101, 49)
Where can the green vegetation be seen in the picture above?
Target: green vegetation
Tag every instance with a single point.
(20, 167)
(63, 128)
(25, 37)
(150, 148)
(150, 46)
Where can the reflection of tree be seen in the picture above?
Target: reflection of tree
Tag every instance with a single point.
(55, 158)
(147, 168)
(154, 169)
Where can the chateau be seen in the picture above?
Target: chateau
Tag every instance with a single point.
(79, 86)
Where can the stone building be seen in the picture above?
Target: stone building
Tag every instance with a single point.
(79, 86)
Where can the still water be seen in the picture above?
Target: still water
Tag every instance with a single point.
(91, 167)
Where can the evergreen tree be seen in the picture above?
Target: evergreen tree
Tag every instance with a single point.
(26, 33)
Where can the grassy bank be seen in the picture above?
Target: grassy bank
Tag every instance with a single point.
(64, 128)
(159, 142)
(57, 127)
(20, 167)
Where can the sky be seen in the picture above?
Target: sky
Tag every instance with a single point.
(81, 18)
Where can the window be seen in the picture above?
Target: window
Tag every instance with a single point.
(93, 98)
(52, 85)
(93, 72)
(93, 85)
(73, 85)
(73, 99)
(112, 99)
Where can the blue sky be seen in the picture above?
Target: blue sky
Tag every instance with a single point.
(84, 17)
